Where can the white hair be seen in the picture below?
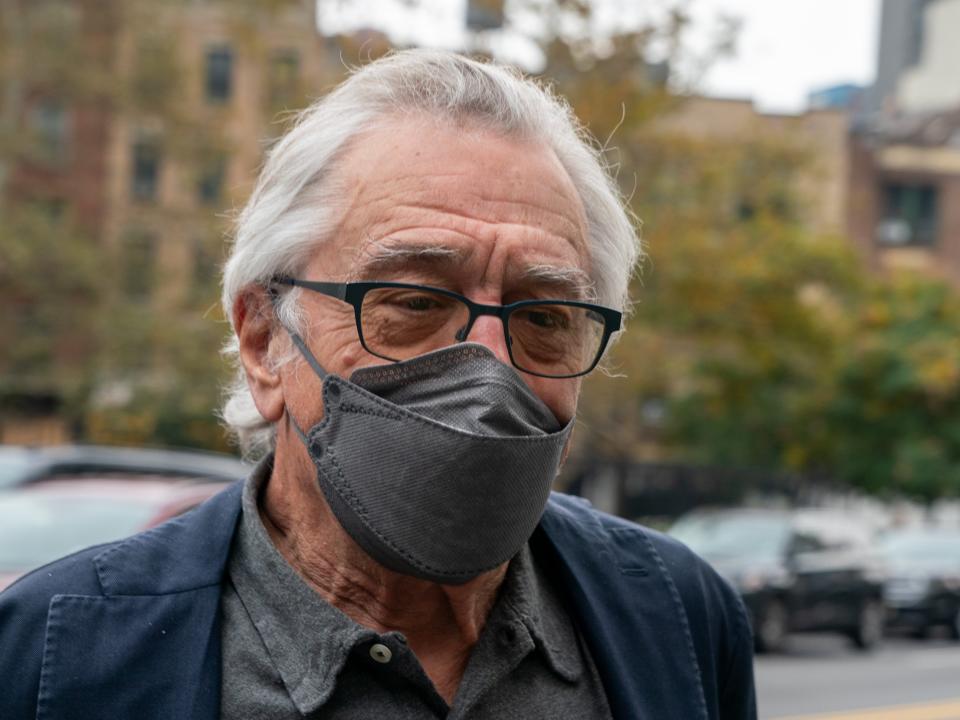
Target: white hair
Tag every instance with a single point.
(294, 205)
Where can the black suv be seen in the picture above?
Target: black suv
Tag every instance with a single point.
(797, 571)
(923, 580)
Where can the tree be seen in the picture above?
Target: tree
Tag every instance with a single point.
(738, 315)
(890, 421)
(52, 75)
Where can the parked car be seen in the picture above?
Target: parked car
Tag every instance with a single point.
(797, 571)
(20, 464)
(52, 518)
(922, 590)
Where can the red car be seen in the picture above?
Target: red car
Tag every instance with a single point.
(46, 520)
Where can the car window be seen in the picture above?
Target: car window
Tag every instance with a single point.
(36, 528)
(803, 542)
(757, 536)
(922, 546)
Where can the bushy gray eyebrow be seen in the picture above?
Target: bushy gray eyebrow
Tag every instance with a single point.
(565, 282)
(397, 255)
(573, 283)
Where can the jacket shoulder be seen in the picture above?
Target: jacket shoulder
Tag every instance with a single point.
(718, 625)
(183, 554)
(23, 624)
(713, 611)
(695, 579)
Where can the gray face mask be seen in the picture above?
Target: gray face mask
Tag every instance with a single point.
(438, 467)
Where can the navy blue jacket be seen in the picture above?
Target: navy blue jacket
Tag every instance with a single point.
(132, 629)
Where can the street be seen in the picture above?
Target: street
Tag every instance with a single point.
(821, 677)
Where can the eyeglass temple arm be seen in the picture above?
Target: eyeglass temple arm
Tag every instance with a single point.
(335, 290)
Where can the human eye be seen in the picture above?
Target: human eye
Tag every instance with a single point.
(404, 321)
(547, 317)
(408, 302)
(418, 303)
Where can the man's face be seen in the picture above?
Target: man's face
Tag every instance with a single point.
(497, 220)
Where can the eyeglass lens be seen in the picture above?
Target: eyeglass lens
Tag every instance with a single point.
(547, 339)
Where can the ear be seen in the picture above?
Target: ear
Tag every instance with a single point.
(256, 325)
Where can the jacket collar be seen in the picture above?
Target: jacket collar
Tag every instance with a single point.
(619, 590)
(187, 553)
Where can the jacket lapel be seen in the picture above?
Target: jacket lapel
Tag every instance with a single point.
(149, 647)
(628, 610)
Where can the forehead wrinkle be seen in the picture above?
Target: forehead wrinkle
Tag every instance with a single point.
(474, 224)
(478, 203)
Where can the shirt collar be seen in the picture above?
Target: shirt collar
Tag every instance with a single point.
(528, 596)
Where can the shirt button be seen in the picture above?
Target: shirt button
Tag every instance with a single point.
(381, 653)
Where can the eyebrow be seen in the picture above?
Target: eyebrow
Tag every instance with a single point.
(561, 280)
(398, 256)
(566, 281)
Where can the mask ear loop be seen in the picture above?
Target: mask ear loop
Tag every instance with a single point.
(307, 354)
(317, 368)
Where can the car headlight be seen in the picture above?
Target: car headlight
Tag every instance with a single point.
(754, 580)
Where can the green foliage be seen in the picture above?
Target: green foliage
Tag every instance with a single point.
(52, 291)
(892, 418)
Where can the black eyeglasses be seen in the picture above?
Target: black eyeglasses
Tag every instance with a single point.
(398, 321)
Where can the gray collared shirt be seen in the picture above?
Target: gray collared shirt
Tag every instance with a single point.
(287, 653)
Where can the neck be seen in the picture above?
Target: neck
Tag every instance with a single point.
(441, 622)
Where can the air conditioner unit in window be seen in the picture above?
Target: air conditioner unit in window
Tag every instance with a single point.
(894, 232)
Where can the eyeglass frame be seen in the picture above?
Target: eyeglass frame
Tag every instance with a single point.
(353, 293)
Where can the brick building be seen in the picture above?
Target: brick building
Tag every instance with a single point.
(141, 125)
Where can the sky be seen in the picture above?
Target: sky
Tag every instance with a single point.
(785, 48)
(788, 48)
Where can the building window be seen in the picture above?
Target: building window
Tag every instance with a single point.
(219, 73)
(48, 124)
(284, 78)
(909, 215)
(146, 170)
(138, 264)
(210, 184)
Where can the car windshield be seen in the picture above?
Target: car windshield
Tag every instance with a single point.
(36, 528)
(736, 536)
(923, 547)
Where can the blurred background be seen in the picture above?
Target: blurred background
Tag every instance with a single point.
(787, 397)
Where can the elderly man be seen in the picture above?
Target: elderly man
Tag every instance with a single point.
(431, 262)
